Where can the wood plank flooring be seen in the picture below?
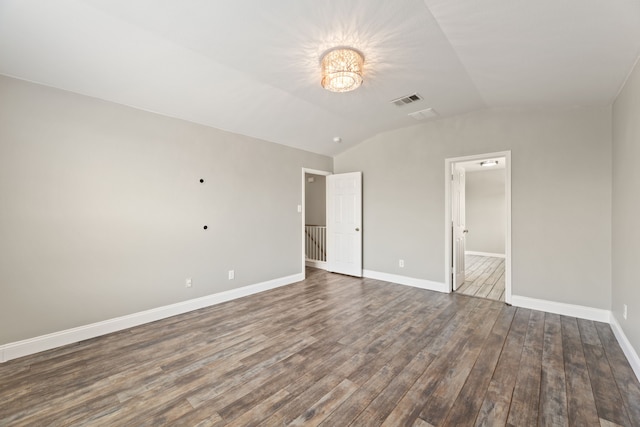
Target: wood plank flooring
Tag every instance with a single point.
(333, 351)
(484, 277)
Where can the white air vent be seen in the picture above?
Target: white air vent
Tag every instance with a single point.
(425, 114)
(407, 100)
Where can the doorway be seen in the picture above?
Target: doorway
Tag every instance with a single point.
(336, 247)
(313, 209)
(478, 225)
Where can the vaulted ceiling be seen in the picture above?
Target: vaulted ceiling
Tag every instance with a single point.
(252, 66)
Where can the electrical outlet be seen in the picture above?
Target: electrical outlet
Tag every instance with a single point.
(187, 283)
(401, 263)
(624, 311)
(232, 274)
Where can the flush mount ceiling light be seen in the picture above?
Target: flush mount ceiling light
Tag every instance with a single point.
(489, 163)
(342, 70)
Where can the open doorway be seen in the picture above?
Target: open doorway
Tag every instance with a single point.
(315, 220)
(314, 225)
(478, 225)
(335, 246)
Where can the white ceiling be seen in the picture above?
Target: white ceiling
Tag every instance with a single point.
(252, 67)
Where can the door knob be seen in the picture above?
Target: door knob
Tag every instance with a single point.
(465, 231)
(357, 229)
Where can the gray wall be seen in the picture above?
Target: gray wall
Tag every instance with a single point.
(102, 214)
(626, 208)
(315, 200)
(485, 211)
(561, 197)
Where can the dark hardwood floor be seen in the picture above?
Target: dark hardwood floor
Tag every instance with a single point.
(336, 351)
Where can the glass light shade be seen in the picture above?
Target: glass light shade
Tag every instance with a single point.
(342, 70)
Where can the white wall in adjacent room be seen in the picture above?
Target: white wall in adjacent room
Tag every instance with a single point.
(485, 211)
(315, 199)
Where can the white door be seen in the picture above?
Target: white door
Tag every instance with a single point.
(458, 231)
(344, 223)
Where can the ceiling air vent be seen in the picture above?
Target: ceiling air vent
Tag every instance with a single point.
(406, 100)
(425, 114)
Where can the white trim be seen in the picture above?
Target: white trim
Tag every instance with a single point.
(70, 336)
(627, 348)
(408, 281)
(579, 311)
(322, 265)
(447, 217)
(485, 254)
(507, 239)
(317, 172)
(302, 203)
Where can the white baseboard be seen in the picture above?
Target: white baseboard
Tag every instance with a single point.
(627, 348)
(485, 254)
(46, 342)
(316, 264)
(404, 280)
(572, 310)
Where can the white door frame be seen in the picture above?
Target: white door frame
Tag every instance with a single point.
(447, 216)
(458, 215)
(304, 182)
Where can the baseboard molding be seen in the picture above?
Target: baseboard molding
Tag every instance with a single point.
(46, 342)
(572, 310)
(627, 348)
(485, 254)
(322, 265)
(408, 281)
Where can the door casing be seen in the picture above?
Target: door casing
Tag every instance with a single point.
(303, 212)
(458, 219)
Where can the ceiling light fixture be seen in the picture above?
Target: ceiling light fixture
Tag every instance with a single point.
(488, 163)
(342, 70)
